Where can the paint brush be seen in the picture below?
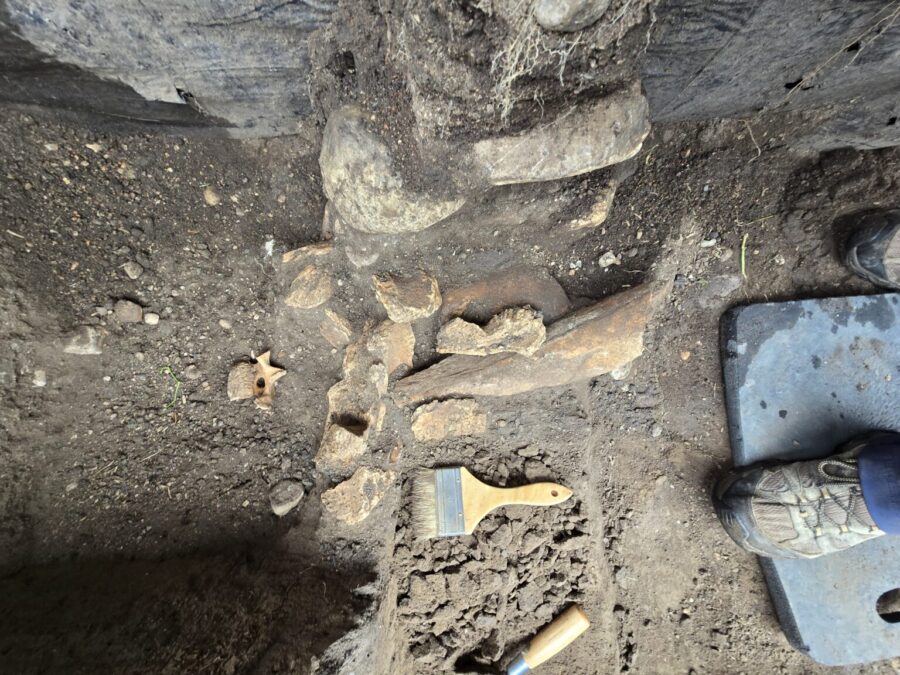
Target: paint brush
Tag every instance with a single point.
(450, 501)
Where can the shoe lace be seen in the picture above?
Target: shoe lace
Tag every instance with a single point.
(847, 465)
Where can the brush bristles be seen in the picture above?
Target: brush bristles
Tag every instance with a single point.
(424, 505)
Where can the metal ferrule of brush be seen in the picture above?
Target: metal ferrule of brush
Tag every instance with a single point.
(449, 500)
(518, 667)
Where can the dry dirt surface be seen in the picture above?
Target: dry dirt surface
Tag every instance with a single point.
(136, 533)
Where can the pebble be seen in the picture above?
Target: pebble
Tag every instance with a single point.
(192, 372)
(609, 258)
(656, 431)
(39, 379)
(211, 197)
(151, 318)
(529, 451)
(133, 269)
(128, 311)
(225, 324)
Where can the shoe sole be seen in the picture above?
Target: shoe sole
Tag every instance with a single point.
(739, 526)
(851, 259)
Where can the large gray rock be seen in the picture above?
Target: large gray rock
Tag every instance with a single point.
(568, 15)
(360, 179)
(733, 58)
(601, 133)
(235, 61)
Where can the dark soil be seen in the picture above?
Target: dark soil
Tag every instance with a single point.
(132, 512)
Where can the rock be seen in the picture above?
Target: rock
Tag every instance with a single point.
(621, 373)
(211, 197)
(132, 269)
(127, 311)
(352, 501)
(310, 288)
(516, 287)
(225, 324)
(408, 298)
(192, 372)
(568, 15)
(529, 451)
(285, 495)
(87, 341)
(39, 378)
(361, 249)
(254, 380)
(393, 344)
(518, 330)
(151, 318)
(609, 258)
(343, 444)
(583, 139)
(310, 250)
(598, 211)
(717, 289)
(442, 419)
(590, 342)
(336, 330)
(360, 180)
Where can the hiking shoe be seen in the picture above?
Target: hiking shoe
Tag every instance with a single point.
(873, 250)
(797, 509)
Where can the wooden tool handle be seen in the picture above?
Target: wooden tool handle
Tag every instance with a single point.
(557, 636)
(536, 494)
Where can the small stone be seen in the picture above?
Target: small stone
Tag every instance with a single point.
(336, 330)
(127, 311)
(407, 298)
(225, 324)
(393, 344)
(211, 197)
(192, 372)
(310, 250)
(620, 373)
(285, 495)
(519, 330)
(344, 443)
(443, 419)
(598, 211)
(656, 431)
(352, 501)
(310, 288)
(685, 356)
(151, 318)
(609, 258)
(568, 15)
(528, 451)
(132, 269)
(39, 378)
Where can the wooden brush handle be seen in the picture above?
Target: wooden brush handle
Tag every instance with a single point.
(536, 494)
(479, 499)
(557, 636)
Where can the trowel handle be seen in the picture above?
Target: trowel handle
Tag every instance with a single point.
(552, 640)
